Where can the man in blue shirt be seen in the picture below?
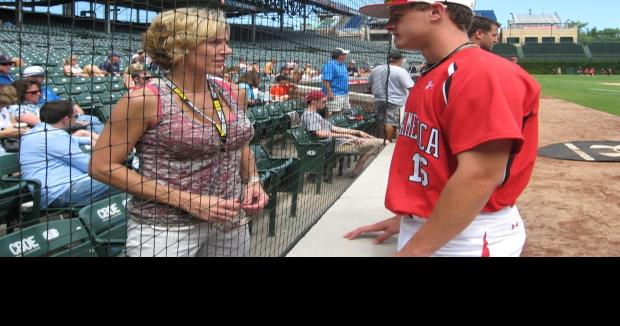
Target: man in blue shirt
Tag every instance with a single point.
(51, 155)
(336, 82)
(112, 65)
(5, 67)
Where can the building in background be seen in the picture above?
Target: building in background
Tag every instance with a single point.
(535, 28)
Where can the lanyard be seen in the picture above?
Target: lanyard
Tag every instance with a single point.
(461, 47)
(222, 127)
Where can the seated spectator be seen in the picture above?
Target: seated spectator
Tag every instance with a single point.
(139, 57)
(53, 156)
(5, 67)
(347, 140)
(280, 91)
(352, 69)
(140, 78)
(127, 75)
(19, 62)
(29, 103)
(112, 64)
(8, 128)
(249, 82)
(71, 68)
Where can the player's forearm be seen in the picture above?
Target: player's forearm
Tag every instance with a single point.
(461, 201)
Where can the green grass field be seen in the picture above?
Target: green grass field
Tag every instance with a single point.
(601, 92)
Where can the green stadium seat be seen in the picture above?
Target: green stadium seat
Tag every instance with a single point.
(277, 175)
(115, 86)
(60, 238)
(76, 89)
(109, 98)
(314, 156)
(106, 222)
(15, 194)
(97, 88)
(87, 101)
(59, 81)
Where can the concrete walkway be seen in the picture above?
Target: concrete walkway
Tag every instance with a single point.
(361, 204)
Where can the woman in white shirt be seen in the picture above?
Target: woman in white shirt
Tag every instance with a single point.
(8, 96)
(72, 69)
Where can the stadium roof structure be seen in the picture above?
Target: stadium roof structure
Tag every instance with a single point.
(490, 14)
(232, 7)
(544, 18)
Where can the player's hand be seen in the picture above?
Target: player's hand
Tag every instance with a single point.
(389, 227)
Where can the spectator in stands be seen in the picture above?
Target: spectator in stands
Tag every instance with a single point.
(270, 67)
(515, 60)
(112, 64)
(140, 78)
(53, 157)
(280, 91)
(484, 32)
(347, 140)
(610, 71)
(242, 67)
(249, 82)
(19, 62)
(388, 103)
(27, 108)
(37, 73)
(352, 69)
(197, 176)
(128, 80)
(29, 105)
(5, 67)
(336, 82)
(71, 68)
(8, 128)
(140, 57)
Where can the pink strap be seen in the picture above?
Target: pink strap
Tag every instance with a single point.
(160, 108)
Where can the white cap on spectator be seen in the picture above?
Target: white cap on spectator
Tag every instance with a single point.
(33, 71)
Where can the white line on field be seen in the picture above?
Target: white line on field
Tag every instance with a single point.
(604, 90)
(579, 152)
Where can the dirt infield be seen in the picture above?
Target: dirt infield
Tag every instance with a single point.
(573, 208)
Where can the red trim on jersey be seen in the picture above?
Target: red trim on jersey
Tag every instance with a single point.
(489, 99)
(485, 246)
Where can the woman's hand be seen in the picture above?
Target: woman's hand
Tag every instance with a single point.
(213, 209)
(254, 198)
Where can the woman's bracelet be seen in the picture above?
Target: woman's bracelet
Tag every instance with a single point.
(253, 179)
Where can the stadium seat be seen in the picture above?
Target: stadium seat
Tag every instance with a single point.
(75, 89)
(106, 222)
(18, 206)
(277, 175)
(314, 156)
(59, 238)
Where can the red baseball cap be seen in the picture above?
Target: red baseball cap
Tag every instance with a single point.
(383, 10)
(315, 96)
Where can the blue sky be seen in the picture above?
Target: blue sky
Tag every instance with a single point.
(599, 14)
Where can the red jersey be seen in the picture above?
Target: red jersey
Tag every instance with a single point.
(469, 99)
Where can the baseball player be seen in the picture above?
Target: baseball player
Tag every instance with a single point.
(484, 32)
(467, 144)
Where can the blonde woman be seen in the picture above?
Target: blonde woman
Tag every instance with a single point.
(197, 178)
(71, 68)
